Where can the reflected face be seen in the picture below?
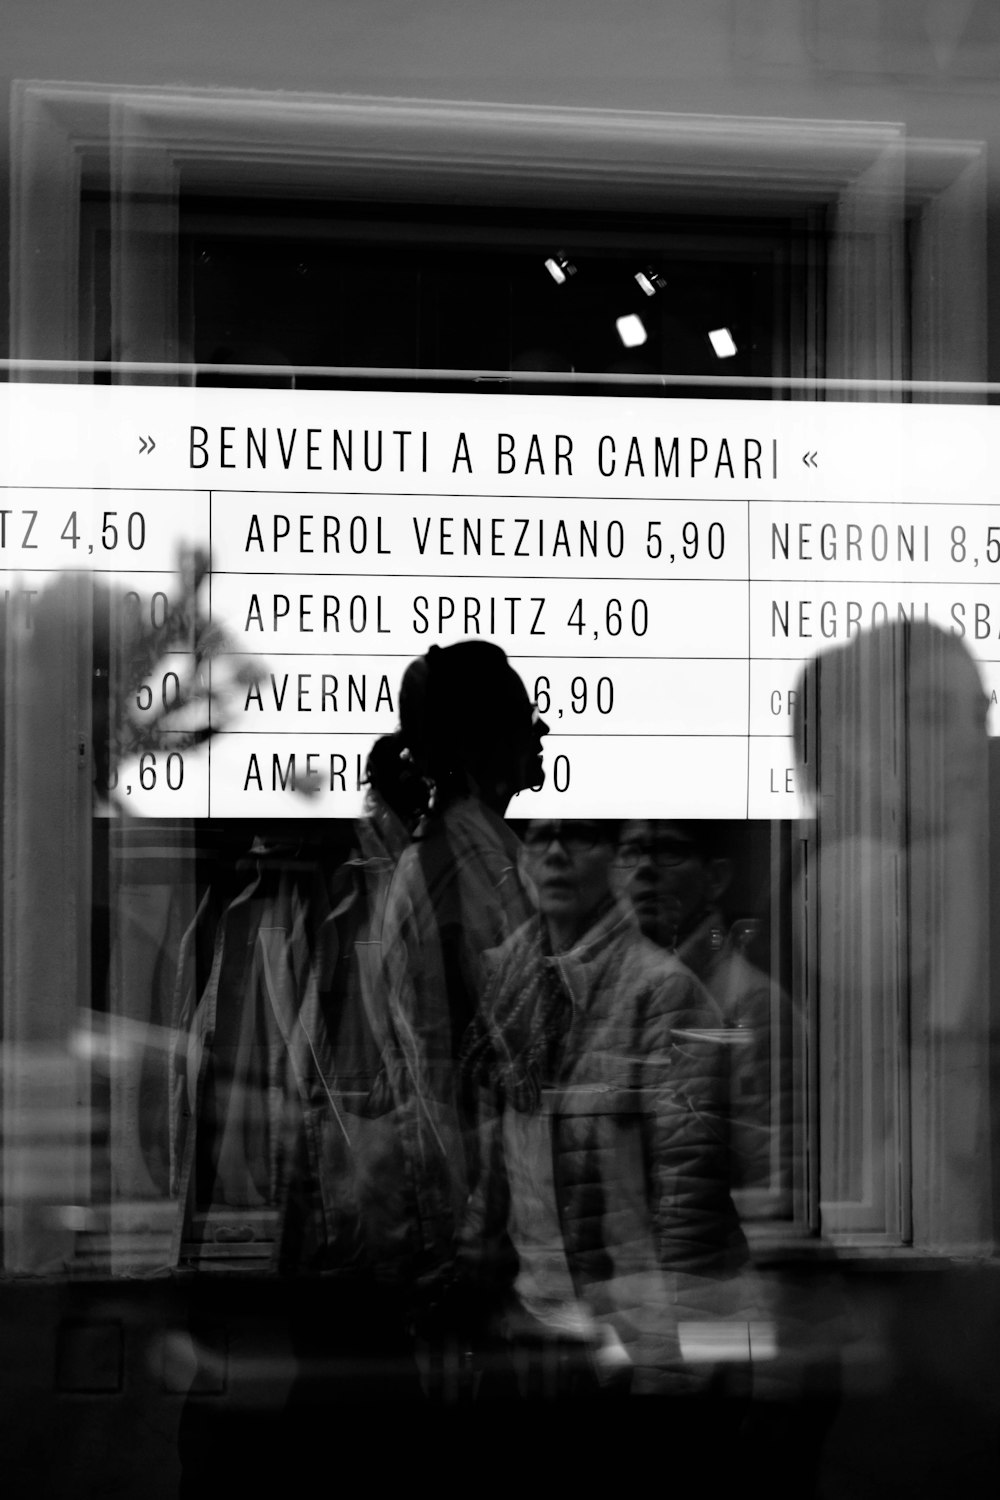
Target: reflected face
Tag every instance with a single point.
(899, 735)
(667, 880)
(570, 865)
(946, 741)
(529, 770)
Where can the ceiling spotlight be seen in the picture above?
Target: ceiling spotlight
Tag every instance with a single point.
(650, 281)
(631, 330)
(560, 268)
(722, 342)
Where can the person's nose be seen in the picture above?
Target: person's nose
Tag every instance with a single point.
(641, 884)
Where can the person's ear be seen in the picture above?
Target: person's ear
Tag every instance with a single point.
(720, 875)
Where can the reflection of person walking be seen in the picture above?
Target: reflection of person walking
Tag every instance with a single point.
(469, 728)
(892, 745)
(677, 876)
(606, 1164)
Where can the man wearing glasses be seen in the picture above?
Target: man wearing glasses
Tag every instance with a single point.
(606, 1164)
(676, 875)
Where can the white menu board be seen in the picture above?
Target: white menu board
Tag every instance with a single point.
(658, 570)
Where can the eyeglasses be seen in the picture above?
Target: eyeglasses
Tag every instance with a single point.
(575, 838)
(665, 854)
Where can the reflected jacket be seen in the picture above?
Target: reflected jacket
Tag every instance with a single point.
(627, 1137)
(455, 894)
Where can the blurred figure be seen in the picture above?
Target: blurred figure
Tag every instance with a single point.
(343, 1174)
(468, 728)
(380, 1162)
(676, 875)
(82, 655)
(892, 748)
(602, 1221)
(346, 1208)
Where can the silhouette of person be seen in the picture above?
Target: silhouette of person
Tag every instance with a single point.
(381, 1171)
(468, 727)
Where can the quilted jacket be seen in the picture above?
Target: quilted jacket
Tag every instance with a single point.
(610, 1189)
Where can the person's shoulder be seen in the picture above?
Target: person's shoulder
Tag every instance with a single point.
(405, 874)
(671, 985)
(470, 819)
(471, 838)
(735, 975)
(521, 942)
(654, 962)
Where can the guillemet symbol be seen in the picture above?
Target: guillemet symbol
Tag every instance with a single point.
(146, 444)
(809, 459)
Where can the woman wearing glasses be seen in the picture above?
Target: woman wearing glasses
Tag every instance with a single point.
(602, 1217)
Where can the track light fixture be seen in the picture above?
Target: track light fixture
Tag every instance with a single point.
(722, 342)
(560, 267)
(650, 281)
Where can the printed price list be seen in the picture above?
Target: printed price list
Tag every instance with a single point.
(659, 591)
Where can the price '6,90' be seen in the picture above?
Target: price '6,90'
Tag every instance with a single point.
(600, 695)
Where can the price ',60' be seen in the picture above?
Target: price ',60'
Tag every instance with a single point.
(149, 772)
(173, 771)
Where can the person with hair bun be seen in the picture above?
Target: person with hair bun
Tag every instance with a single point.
(470, 732)
(467, 726)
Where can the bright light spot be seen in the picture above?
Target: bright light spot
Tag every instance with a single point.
(714, 1343)
(645, 283)
(106, 1046)
(631, 330)
(556, 271)
(84, 1044)
(75, 1216)
(722, 342)
(763, 1341)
